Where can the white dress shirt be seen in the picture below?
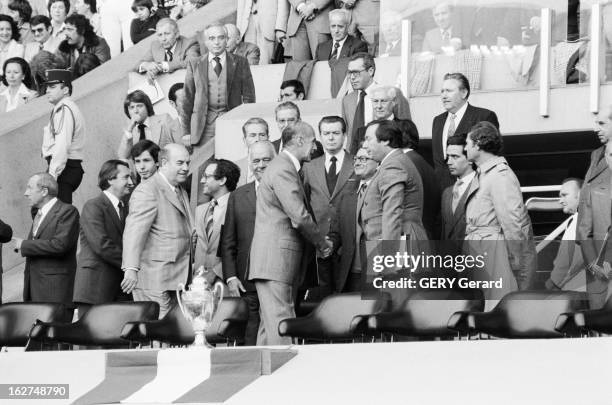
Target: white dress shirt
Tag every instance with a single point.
(341, 44)
(44, 210)
(114, 200)
(458, 116)
(466, 180)
(12, 102)
(221, 57)
(219, 211)
(339, 160)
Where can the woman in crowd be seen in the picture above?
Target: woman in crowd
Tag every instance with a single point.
(9, 37)
(89, 9)
(58, 11)
(21, 12)
(144, 24)
(18, 81)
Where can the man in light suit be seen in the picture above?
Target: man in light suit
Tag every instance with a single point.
(263, 22)
(440, 36)
(98, 276)
(219, 180)
(307, 27)
(6, 233)
(326, 178)
(50, 249)
(283, 216)
(158, 232)
(214, 84)
(237, 46)
(341, 44)
(459, 118)
(238, 234)
(171, 50)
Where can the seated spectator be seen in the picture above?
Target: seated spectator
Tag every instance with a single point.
(80, 39)
(169, 52)
(144, 24)
(236, 46)
(144, 124)
(391, 30)
(58, 11)
(18, 81)
(40, 25)
(21, 12)
(42, 62)
(9, 37)
(341, 45)
(439, 38)
(89, 9)
(145, 156)
(85, 63)
(292, 90)
(175, 99)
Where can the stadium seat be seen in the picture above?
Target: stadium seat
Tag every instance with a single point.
(586, 321)
(17, 319)
(101, 325)
(521, 314)
(229, 322)
(173, 329)
(334, 319)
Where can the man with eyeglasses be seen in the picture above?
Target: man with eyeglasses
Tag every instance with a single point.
(253, 130)
(238, 234)
(40, 25)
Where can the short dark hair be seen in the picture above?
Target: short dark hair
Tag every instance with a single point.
(82, 25)
(86, 62)
(40, 19)
(255, 120)
(287, 105)
(109, 171)
(28, 80)
(410, 133)
(14, 29)
(142, 3)
(93, 5)
(145, 146)
(332, 119)
(23, 8)
(368, 60)
(227, 169)
(66, 3)
(173, 89)
(487, 137)
(138, 96)
(458, 140)
(464, 83)
(297, 85)
(387, 131)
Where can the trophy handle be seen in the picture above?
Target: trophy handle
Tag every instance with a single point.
(219, 286)
(181, 288)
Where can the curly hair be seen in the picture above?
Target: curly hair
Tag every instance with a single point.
(487, 137)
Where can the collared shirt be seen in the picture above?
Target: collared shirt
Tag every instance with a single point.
(222, 59)
(12, 102)
(56, 33)
(44, 210)
(386, 156)
(135, 134)
(219, 212)
(570, 228)
(341, 44)
(367, 103)
(296, 163)
(458, 116)
(466, 180)
(339, 159)
(114, 200)
(165, 66)
(167, 182)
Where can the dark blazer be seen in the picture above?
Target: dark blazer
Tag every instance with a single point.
(472, 116)
(431, 194)
(351, 46)
(249, 51)
(51, 256)
(6, 233)
(68, 52)
(98, 276)
(240, 89)
(186, 49)
(453, 223)
(597, 165)
(237, 234)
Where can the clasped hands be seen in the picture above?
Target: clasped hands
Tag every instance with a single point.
(308, 11)
(326, 251)
(604, 271)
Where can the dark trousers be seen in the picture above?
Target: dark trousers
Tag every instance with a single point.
(252, 327)
(69, 180)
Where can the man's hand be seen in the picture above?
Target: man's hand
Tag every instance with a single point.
(600, 271)
(130, 278)
(17, 242)
(326, 251)
(150, 67)
(280, 36)
(307, 12)
(235, 287)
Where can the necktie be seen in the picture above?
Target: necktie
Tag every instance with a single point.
(451, 125)
(331, 176)
(456, 195)
(359, 120)
(169, 55)
(334, 54)
(208, 220)
(141, 130)
(361, 191)
(301, 174)
(217, 65)
(122, 215)
(446, 37)
(36, 223)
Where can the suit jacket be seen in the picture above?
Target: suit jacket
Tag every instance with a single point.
(472, 116)
(238, 234)
(51, 256)
(157, 235)
(453, 223)
(396, 50)
(98, 276)
(161, 130)
(597, 165)
(186, 49)
(206, 249)
(282, 216)
(568, 262)
(323, 204)
(272, 14)
(249, 51)
(431, 194)
(320, 23)
(433, 41)
(351, 46)
(240, 89)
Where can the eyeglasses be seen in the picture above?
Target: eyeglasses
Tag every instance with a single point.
(258, 161)
(361, 159)
(355, 72)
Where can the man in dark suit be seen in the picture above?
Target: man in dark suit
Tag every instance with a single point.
(214, 84)
(326, 178)
(238, 234)
(597, 165)
(50, 249)
(237, 46)
(459, 117)
(287, 114)
(341, 45)
(98, 276)
(6, 233)
(282, 216)
(307, 26)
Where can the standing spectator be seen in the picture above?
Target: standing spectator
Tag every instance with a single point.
(98, 275)
(214, 84)
(364, 18)
(43, 40)
(253, 130)
(459, 117)
(603, 129)
(157, 235)
(292, 90)
(238, 233)
(64, 136)
(497, 223)
(341, 44)
(144, 124)
(85, 63)
(286, 115)
(18, 81)
(263, 22)
(238, 47)
(145, 155)
(145, 22)
(9, 37)
(115, 20)
(6, 233)
(89, 9)
(81, 39)
(21, 12)
(307, 27)
(171, 50)
(50, 248)
(58, 11)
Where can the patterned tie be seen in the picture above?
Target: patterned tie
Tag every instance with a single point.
(169, 55)
(208, 219)
(141, 130)
(334, 54)
(37, 219)
(361, 191)
(217, 65)
(456, 195)
(331, 176)
(451, 125)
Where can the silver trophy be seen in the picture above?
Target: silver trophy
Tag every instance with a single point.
(198, 304)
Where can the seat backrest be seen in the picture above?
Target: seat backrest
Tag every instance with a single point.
(335, 312)
(534, 313)
(104, 322)
(230, 307)
(17, 318)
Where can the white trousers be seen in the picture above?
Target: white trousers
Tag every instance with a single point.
(115, 19)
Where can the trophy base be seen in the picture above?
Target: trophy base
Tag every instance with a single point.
(200, 341)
